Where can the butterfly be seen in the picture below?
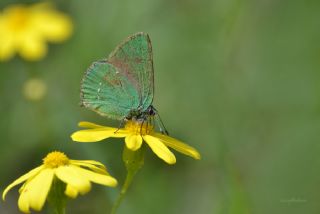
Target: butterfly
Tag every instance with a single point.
(121, 87)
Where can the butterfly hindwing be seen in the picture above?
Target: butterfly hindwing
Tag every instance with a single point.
(107, 91)
(133, 58)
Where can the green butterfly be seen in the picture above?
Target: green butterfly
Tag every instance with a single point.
(121, 87)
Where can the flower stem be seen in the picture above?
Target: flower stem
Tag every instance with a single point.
(133, 161)
(56, 197)
(60, 210)
(122, 193)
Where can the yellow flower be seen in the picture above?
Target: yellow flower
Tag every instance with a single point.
(76, 174)
(26, 29)
(34, 89)
(134, 133)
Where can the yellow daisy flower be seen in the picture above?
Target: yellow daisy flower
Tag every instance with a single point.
(135, 133)
(76, 174)
(26, 29)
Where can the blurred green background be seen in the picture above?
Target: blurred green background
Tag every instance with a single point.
(238, 80)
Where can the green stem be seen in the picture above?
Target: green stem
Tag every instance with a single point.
(60, 210)
(133, 160)
(57, 198)
(123, 192)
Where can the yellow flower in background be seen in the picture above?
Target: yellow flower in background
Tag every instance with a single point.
(34, 89)
(26, 29)
(135, 133)
(76, 174)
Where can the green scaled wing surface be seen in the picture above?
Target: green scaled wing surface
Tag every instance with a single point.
(123, 82)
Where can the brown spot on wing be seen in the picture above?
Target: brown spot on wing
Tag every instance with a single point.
(113, 82)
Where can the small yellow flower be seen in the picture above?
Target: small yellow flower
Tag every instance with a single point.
(34, 89)
(26, 29)
(134, 133)
(76, 174)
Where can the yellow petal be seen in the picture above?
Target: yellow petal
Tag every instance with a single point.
(68, 175)
(52, 25)
(23, 202)
(96, 177)
(88, 164)
(178, 145)
(32, 47)
(160, 149)
(23, 185)
(7, 47)
(97, 134)
(133, 142)
(36, 190)
(21, 179)
(71, 191)
(85, 124)
(91, 162)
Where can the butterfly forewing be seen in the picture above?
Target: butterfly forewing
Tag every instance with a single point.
(107, 91)
(133, 59)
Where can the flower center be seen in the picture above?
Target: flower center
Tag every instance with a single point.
(18, 18)
(139, 127)
(55, 159)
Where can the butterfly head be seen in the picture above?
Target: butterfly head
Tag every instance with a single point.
(140, 114)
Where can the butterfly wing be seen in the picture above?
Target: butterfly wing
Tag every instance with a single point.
(105, 90)
(133, 59)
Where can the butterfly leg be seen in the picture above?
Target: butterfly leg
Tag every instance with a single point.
(141, 126)
(149, 121)
(120, 125)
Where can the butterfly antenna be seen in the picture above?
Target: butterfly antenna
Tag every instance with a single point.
(163, 129)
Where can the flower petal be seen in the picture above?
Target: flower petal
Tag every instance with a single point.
(31, 46)
(178, 145)
(71, 191)
(7, 48)
(68, 175)
(54, 26)
(36, 190)
(160, 149)
(97, 134)
(23, 202)
(133, 142)
(85, 124)
(91, 162)
(106, 180)
(21, 179)
(7, 37)
(88, 164)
